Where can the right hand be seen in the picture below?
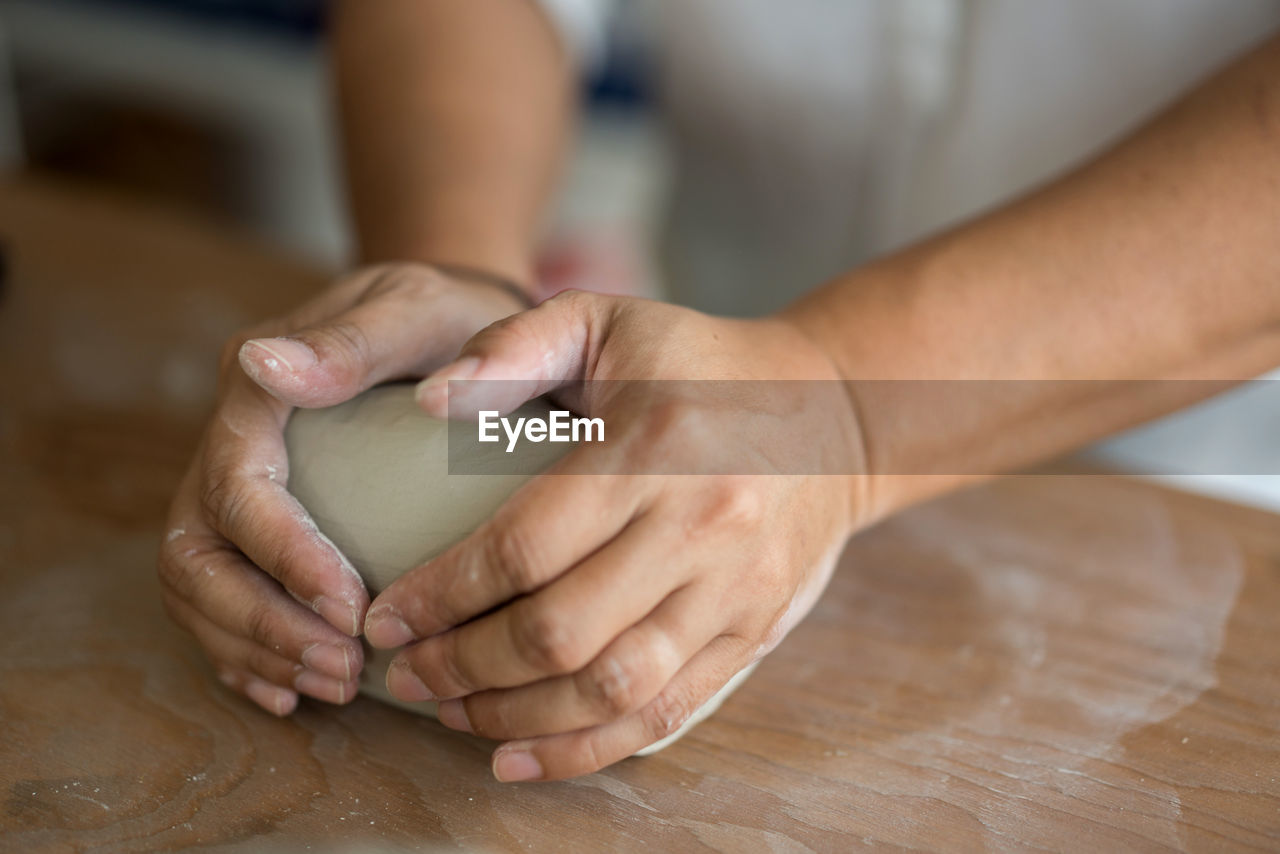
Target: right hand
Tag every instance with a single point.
(242, 567)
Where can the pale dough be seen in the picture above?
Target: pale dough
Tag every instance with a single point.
(374, 475)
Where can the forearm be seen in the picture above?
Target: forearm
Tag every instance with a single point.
(1156, 261)
(454, 116)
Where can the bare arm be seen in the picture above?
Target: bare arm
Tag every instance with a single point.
(1161, 259)
(454, 117)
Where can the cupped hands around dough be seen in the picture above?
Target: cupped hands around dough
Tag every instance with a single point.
(374, 475)
(608, 599)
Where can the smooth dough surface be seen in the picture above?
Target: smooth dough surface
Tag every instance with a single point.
(374, 475)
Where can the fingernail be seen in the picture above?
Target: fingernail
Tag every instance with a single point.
(514, 766)
(328, 659)
(405, 685)
(434, 390)
(340, 615)
(453, 714)
(279, 701)
(288, 354)
(386, 629)
(321, 687)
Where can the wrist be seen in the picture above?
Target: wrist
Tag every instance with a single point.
(866, 324)
(852, 461)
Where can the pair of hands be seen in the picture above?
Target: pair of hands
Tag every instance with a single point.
(602, 605)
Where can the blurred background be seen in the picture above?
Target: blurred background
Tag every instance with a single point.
(221, 108)
(214, 106)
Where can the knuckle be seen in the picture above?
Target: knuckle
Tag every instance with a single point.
(691, 432)
(591, 758)
(427, 603)
(169, 556)
(511, 553)
(666, 714)
(270, 667)
(222, 495)
(342, 345)
(671, 417)
(440, 666)
(282, 560)
(546, 642)
(179, 579)
(497, 720)
(665, 437)
(614, 687)
(457, 674)
(177, 550)
(180, 574)
(168, 565)
(734, 502)
(228, 499)
(261, 623)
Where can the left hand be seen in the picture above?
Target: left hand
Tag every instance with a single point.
(607, 600)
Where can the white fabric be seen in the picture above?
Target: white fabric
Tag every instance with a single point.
(809, 135)
(583, 25)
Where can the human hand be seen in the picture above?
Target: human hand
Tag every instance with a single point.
(608, 599)
(274, 604)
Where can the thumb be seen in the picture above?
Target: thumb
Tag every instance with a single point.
(331, 361)
(519, 358)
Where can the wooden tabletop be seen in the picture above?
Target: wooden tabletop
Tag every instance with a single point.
(1056, 662)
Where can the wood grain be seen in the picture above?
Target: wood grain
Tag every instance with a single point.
(1051, 662)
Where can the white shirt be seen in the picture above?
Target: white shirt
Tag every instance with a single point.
(810, 135)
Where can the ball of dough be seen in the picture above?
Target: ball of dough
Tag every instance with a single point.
(373, 473)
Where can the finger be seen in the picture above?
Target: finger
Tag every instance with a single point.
(533, 352)
(621, 680)
(241, 599)
(555, 631)
(406, 321)
(557, 757)
(242, 495)
(236, 653)
(276, 700)
(550, 524)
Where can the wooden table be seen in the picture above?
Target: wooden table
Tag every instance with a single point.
(1082, 663)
